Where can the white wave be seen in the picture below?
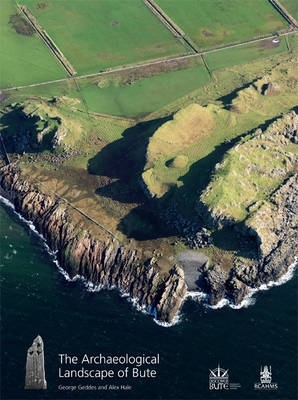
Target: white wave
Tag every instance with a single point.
(31, 226)
(284, 278)
(198, 296)
(249, 299)
(7, 202)
(176, 320)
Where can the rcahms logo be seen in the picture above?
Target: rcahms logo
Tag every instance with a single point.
(266, 380)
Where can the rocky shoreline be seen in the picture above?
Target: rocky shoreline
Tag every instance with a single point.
(108, 263)
(103, 262)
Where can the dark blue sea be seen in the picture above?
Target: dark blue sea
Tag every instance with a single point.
(36, 298)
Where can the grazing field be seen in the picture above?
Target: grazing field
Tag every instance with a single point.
(291, 6)
(293, 42)
(145, 95)
(210, 24)
(24, 58)
(95, 35)
(243, 54)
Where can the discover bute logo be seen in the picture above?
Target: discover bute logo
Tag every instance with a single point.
(266, 380)
(219, 380)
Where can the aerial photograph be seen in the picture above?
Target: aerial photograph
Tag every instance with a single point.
(148, 199)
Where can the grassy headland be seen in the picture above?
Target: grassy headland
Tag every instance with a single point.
(101, 143)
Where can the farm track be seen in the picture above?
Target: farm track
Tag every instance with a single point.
(150, 63)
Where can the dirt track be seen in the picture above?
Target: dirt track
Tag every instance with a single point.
(146, 64)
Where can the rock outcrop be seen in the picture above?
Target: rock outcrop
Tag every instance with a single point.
(270, 221)
(101, 261)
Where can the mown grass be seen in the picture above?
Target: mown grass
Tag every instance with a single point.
(24, 58)
(243, 54)
(95, 35)
(211, 24)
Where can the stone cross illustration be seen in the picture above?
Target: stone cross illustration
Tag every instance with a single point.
(35, 372)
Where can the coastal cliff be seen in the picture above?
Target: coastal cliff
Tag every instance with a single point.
(108, 263)
(276, 224)
(259, 208)
(250, 202)
(103, 261)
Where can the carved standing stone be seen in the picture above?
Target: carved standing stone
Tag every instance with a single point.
(35, 372)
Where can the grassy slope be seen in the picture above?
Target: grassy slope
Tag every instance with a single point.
(113, 142)
(210, 23)
(95, 35)
(129, 100)
(24, 59)
(143, 96)
(253, 109)
(250, 172)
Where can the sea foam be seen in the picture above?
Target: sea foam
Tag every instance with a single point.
(194, 295)
(249, 299)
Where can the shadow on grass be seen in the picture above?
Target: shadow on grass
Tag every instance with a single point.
(121, 163)
(178, 204)
(228, 98)
(171, 215)
(24, 133)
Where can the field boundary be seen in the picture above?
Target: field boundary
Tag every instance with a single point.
(107, 231)
(48, 41)
(170, 24)
(284, 12)
(146, 64)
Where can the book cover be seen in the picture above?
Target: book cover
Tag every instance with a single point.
(148, 199)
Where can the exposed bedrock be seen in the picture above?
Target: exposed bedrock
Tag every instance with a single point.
(275, 227)
(101, 261)
(104, 261)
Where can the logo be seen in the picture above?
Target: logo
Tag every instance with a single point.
(35, 372)
(219, 380)
(266, 380)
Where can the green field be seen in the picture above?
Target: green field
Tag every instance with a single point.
(133, 101)
(243, 54)
(95, 35)
(24, 59)
(214, 23)
(291, 6)
(144, 96)
(293, 42)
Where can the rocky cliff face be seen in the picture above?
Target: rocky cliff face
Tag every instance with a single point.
(103, 262)
(260, 204)
(275, 227)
